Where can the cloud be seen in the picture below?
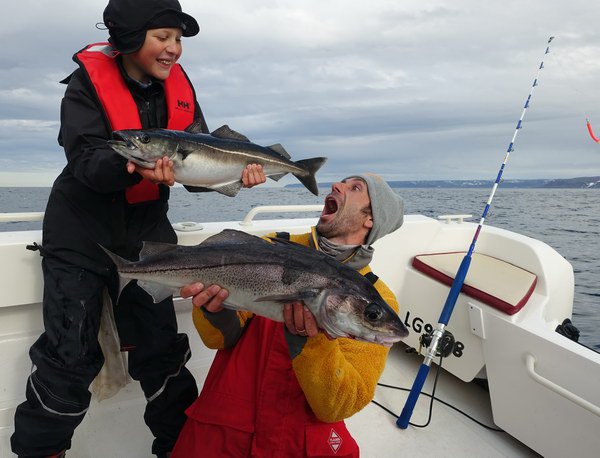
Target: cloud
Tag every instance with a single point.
(413, 90)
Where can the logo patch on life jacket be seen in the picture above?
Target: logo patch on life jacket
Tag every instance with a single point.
(335, 441)
(183, 105)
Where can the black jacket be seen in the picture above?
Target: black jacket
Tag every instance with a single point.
(87, 203)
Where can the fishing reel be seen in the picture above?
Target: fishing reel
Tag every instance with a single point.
(445, 344)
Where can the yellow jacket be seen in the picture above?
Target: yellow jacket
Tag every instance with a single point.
(338, 377)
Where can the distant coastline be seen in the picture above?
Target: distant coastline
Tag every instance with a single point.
(567, 183)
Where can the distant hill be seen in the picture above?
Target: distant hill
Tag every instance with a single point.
(576, 183)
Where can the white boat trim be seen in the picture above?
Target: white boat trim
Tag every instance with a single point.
(547, 404)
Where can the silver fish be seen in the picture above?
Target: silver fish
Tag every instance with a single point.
(262, 276)
(214, 161)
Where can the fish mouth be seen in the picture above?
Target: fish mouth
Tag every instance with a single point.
(386, 341)
(119, 138)
(124, 145)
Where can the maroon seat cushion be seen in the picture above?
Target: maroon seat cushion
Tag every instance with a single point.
(492, 281)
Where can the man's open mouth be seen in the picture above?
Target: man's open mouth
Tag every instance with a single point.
(331, 206)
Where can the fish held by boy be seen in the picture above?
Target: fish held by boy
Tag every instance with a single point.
(214, 161)
(262, 276)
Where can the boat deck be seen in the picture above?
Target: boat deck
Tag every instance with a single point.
(115, 427)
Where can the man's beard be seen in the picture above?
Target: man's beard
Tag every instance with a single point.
(339, 226)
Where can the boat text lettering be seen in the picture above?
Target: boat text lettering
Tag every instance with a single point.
(419, 326)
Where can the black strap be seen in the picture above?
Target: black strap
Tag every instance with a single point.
(35, 247)
(282, 235)
(371, 277)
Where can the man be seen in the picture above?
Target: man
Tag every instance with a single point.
(284, 390)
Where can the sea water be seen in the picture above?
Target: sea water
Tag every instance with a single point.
(566, 219)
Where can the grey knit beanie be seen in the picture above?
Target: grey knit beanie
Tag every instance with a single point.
(387, 207)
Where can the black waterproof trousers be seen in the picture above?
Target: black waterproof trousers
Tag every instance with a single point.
(67, 357)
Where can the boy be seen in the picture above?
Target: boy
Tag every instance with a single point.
(133, 81)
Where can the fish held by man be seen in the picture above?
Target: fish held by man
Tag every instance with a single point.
(262, 276)
(214, 161)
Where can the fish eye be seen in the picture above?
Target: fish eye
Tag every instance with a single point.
(373, 313)
(144, 138)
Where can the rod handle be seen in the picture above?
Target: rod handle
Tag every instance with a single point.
(415, 391)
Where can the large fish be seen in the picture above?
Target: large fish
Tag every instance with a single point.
(213, 161)
(261, 276)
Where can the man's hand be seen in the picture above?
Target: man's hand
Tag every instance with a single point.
(299, 320)
(252, 175)
(210, 298)
(162, 173)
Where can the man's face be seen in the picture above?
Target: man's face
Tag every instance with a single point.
(347, 213)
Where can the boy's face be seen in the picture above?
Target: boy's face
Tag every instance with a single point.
(161, 49)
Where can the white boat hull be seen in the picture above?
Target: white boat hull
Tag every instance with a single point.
(552, 421)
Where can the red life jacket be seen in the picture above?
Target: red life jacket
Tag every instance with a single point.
(98, 61)
(252, 397)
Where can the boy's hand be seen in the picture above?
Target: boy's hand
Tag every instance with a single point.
(252, 175)
(162, 173)
(210, 298)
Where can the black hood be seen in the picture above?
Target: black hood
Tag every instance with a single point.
(128, 20)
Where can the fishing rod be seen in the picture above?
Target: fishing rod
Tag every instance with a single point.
(437, 333)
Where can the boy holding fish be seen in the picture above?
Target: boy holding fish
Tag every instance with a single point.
(284, 389)
(132, 82)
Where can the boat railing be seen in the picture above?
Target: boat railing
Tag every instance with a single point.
(458, 218)
(21, 217)
(530, 365)
(247, 221)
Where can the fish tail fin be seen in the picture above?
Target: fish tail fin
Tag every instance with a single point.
(311, 166)
(119, 262)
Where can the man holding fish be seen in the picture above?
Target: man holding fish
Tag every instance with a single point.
(284, 389)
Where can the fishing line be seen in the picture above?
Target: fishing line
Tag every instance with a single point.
(432, 397)
(438, 332)
(583, 95)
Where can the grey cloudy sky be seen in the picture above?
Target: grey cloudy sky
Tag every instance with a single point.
(409, 89)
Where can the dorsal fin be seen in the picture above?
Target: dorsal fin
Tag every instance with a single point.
(153, 248)
(195, 128)
(228, 133)
(231, 236)
(279, 149)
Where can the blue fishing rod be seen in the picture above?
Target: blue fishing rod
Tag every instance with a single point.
(459, 279)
